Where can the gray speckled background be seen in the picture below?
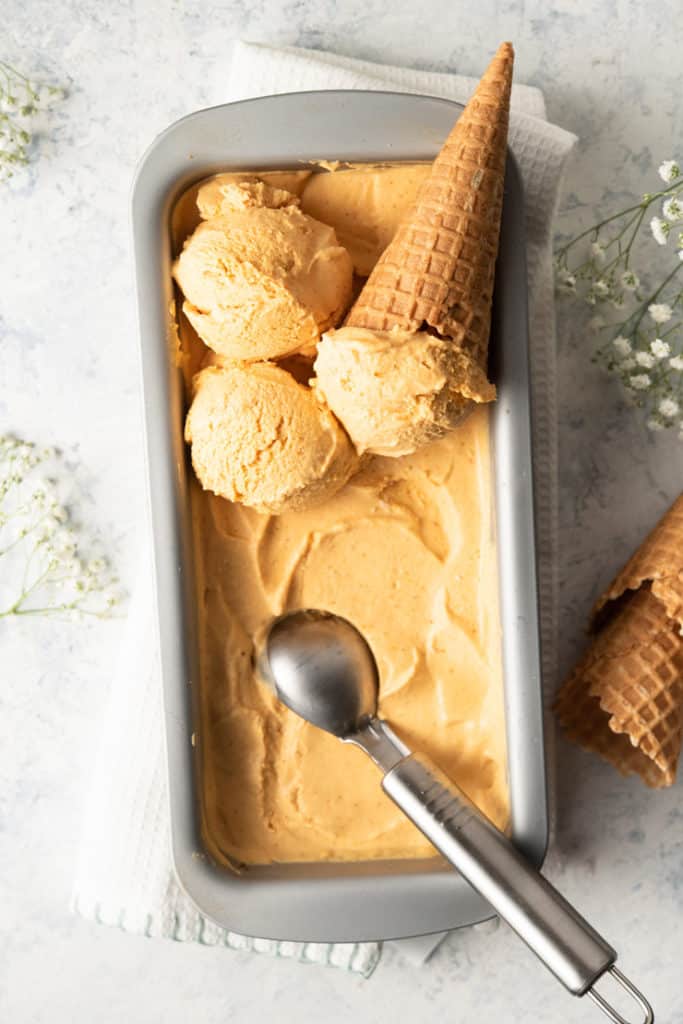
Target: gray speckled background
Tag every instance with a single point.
(610, 70)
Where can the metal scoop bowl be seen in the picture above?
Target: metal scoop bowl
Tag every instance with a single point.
(322, 668)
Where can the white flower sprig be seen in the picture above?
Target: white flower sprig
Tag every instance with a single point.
(43, 570)
(20, 101)
(644, 348)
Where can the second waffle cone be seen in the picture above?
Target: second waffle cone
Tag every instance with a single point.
(624, 699)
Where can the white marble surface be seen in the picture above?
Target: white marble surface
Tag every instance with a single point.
(611, 73)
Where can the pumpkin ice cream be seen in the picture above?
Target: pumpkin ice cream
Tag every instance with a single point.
(261, 438)
(404, 549)
(397, 390)
(261, 278)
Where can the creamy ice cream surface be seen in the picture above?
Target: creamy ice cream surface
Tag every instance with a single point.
(363, 203)
(364, 207)
(261, 279)
(397, 390)
(405, 551)
(403, 546)
(261, 438)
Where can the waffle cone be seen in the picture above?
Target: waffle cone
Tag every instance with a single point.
(439, 268)
(625, 698)
(659, 560)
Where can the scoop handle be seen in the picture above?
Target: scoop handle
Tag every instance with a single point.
(568, 946)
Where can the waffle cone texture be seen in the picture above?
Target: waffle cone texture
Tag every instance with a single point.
(438, 271)
(624, 700)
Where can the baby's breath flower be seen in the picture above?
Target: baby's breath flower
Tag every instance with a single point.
(20, 101)
(660, 230)
(669, 171)
(566, 281)
(672, 208)
(48, 95)
(669, 407)
(622, 345)
(629, 281)
(660, 348)
(64, 543)
(47, 528)
(597, 265)
(660, 312)
(112, 596)
(42, 569)
(598, 252)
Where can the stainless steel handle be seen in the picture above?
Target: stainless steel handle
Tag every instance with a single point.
(486, 858)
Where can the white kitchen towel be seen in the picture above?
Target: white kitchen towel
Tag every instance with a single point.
(124, 876)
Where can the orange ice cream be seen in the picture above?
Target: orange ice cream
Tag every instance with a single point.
(260, 438)
(405, 549)
(396, 390)
(261, 279)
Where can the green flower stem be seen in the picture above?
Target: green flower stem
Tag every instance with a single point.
(643, 206)
(28, 590)
(655, 295)
(614, 241)
(59, 610)
(12, 75)
(671, 329)
(595, 229)
(622, 326)
(11, 72)
(639, 221)
(27, 566)
(26, 532)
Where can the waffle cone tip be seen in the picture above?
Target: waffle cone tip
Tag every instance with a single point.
(438, 271)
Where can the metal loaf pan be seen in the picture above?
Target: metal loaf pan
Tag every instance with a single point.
(329, 902)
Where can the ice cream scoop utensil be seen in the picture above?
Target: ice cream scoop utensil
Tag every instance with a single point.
(322, 668)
